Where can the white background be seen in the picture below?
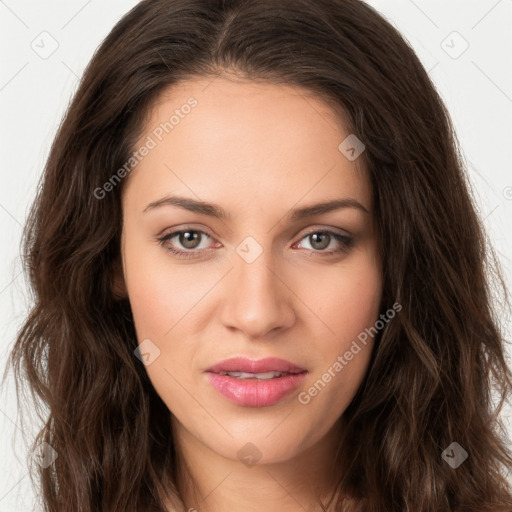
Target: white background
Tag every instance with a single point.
(35, 91)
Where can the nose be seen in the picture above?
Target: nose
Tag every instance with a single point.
(257, 299)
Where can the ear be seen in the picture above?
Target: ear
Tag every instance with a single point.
(118, 284)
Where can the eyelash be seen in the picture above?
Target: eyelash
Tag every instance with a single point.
(345, 241)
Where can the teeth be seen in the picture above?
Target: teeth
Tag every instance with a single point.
(245, 375)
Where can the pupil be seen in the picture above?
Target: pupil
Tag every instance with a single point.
(190, 239)
(322, 236)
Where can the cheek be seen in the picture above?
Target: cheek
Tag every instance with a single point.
(162, 298)
(350, 309)
(151, 298)
(351, 300)
(160, 293)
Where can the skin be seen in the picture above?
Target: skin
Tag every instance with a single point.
(258, 150)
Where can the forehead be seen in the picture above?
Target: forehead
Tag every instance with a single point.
(234, 142)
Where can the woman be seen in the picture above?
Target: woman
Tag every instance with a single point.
(260, 279)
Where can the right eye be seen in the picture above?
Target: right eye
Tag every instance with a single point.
(187, 238)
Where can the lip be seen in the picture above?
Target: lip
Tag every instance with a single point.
(243, 364)
(253, 392)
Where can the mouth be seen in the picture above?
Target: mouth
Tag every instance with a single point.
(258, 383)
(258, 376)
(242, 366)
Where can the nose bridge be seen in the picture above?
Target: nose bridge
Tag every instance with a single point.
(258, 301)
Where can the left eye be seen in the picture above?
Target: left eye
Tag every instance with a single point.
(190, 239)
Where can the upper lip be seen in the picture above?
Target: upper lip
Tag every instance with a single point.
(243, 364)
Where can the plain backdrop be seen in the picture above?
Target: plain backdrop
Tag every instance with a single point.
(45, 45)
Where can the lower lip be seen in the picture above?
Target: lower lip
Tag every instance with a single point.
(255, 393)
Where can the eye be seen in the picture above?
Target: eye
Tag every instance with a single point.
(321, 239)
(190, 240)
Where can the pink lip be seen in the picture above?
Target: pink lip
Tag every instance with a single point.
(253, 392)
(242, 364)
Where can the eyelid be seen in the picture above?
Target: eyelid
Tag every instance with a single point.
(186, 227)
(315, 229)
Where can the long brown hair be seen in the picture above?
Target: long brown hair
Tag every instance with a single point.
(435, 371)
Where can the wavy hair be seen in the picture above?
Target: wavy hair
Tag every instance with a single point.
(438, 372)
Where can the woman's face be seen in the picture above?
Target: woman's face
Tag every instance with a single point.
(262, 280)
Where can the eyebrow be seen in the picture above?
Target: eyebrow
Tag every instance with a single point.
(218, 212)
